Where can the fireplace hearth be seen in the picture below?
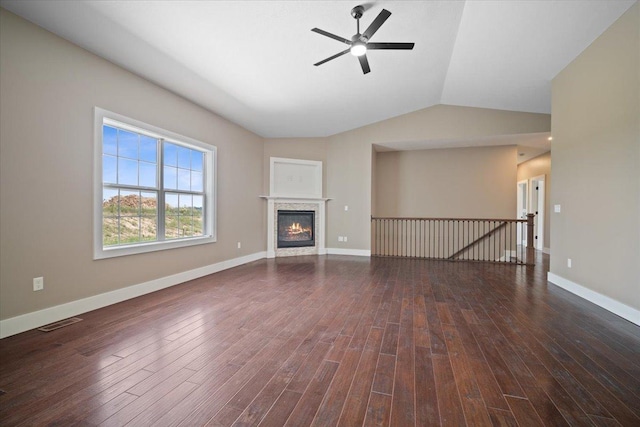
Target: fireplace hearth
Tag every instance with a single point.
(296, 229)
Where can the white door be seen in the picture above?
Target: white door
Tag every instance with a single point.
(537, 207)
(523, 197)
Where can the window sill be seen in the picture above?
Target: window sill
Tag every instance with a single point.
(134, 249)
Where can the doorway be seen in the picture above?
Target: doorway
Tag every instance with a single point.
(522, 210)
(537, 207)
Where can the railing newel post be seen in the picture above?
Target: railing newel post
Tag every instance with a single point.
(530, 237)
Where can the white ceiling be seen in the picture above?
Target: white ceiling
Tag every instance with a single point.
(252, 61)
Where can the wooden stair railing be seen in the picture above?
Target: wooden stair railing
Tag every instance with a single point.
(454, 239)
(478, 240)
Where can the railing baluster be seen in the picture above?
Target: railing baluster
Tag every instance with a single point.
(415, 238)
(430, 238)
(388, 236)
(403, 240)
(395, 243)
(470, 239)
(383, 246)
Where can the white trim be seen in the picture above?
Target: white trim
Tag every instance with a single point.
(521, 211)
(314, 188)
(102, 116)
(354, 252)
(26, 322)
(546, 251)
(274, 202)
(508, 255)
(295, 199)
(614, 306)
(540, 204)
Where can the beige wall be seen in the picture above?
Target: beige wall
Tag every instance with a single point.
(596, 165)
(535, 167)
(349, 158)
(476, 182)
(49, 88)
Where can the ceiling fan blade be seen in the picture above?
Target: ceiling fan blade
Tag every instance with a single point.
(382, 16)
(364, 63)
(331, 57)
(407, 46)
(368, 5)
(333, 36)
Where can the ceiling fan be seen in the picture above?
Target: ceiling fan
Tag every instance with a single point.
(359, 43)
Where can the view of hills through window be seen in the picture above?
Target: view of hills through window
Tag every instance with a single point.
(133, 183)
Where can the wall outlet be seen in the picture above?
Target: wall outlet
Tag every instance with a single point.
(557, 208)
(346, 208)
(345, 238)
(239, 245)
(569, 262)
(340, 239)
(38, 283)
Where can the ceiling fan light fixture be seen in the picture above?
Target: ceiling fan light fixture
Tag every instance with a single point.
(359, 43)
(358, 48)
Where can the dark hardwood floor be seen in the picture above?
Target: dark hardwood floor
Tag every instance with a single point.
(329, 341)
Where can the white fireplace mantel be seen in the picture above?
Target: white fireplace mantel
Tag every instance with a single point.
(295, 184)
(296, 199)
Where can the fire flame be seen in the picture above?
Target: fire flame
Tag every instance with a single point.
(296, 228)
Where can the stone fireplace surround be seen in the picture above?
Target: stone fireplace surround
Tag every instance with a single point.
(278, 203)
(295, 185)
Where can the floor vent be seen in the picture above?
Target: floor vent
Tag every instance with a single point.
(60, 324)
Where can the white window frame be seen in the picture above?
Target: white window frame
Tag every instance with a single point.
(102, 117)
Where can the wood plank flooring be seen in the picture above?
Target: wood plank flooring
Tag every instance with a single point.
(334, 340)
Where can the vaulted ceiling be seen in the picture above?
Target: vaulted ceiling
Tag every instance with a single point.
(252, 61)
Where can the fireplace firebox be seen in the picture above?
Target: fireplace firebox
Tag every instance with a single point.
(296, 229)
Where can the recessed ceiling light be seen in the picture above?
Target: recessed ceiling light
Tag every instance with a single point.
(550, 138)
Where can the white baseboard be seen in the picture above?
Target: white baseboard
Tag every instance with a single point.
(614, 306)
(546, 251)
(354, 252)
(508, 255)
(26, 322)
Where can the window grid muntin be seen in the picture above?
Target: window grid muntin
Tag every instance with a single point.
(192, 216)
(119, 214)
(138, 157)
(102, 117)
(178, 167)
(159, 188)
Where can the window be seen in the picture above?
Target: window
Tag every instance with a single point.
(154, 189)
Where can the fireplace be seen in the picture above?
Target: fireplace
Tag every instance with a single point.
(296, 229)
(296, 210)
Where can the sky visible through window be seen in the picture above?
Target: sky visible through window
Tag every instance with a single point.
(128, 161)
(130, 215)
